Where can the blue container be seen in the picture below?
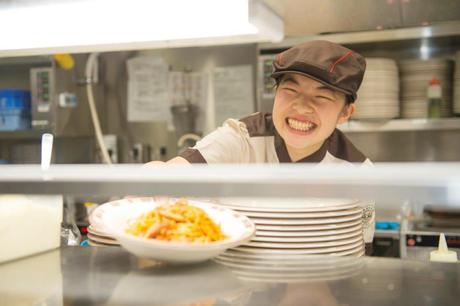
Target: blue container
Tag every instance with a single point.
(14, 109)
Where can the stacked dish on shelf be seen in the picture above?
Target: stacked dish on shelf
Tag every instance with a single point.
(457, 84)
(300, 226)
(415, 78)
(295, 238)
(378, 96)
(97, 231)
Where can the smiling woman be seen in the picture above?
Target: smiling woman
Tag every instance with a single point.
(306, 112)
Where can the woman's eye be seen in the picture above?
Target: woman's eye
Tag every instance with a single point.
(291, 90)
(324, 98)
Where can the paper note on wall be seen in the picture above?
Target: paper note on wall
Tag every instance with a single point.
(148, 89)
(233, 92)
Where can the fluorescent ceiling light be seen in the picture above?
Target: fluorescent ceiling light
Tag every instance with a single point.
(45, 27)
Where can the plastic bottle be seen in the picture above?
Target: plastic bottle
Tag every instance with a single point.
(442, 254)
(64, 60)
(434, 98)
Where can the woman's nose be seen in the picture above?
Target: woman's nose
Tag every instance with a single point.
(302, 105)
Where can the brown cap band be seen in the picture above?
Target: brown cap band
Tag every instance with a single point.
(331, 64)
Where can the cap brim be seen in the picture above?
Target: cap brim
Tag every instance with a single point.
(277, 74)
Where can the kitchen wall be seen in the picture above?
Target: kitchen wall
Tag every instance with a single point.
(155, 133)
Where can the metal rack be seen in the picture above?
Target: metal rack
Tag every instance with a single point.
(400, 125)
(387, 182)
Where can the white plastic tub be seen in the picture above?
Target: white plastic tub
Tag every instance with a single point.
(29, 225)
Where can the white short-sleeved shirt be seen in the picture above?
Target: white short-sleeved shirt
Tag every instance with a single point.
(254, 139)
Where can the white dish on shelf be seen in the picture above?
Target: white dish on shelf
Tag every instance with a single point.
(356, 246)
(287, 204)
(290, 262)
(324, 238)
(262, 233)
(281, 244)
(313, 227)
(305, 221)
(235, 254)
(101, 239)
(116, 219)
(297, 215)
(282, 209)
(93, 230)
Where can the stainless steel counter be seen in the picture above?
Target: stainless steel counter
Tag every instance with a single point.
(111, 276)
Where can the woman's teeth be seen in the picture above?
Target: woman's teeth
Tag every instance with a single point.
(299, 125)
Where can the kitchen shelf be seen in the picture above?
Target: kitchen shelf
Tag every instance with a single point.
(437, 30)
(26, 60)
(400, 125)
(419, 183)
(25, 134)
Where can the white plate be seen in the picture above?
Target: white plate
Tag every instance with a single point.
(93, 230)
(281, 209)
(100, 239)
(319, 250)
(98, 244)
(96, 217)
(313, 227)
(306, 239)
(291, 262)
(246, 252)
(285, 221)
(286, 204)
(291, 234)
(236, 226)
(298, 268)
(296, 215)
(305, 245)
(290, 259)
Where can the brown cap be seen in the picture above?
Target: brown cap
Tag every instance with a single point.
(331, 64)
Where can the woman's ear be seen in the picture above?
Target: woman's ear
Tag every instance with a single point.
(346, 113)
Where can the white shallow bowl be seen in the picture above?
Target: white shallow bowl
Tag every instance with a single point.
(236, 226)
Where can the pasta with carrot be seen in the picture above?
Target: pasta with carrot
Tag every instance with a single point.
(179, 222)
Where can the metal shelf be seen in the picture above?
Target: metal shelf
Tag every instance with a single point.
(26, 60)
(438, 30)
(400, 125)
(417, 182)
(20, 135)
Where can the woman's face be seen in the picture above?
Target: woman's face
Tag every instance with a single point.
(306, 112)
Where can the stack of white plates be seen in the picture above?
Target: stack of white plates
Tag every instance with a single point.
(415, 78)
(97, 233)
(457, 84)
(300, 226)
(98, 238)
(378, 96)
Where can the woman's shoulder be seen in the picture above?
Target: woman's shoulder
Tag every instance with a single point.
(259, 124)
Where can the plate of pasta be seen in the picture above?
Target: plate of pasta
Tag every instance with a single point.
(179, 230)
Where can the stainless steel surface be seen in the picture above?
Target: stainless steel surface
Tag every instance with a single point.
(51, 116)
(417, 12)
(303, 17)
(26, 150)
(410, 33)
(400, 125)
(408, 146)
(420, 183)
(111, 276)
